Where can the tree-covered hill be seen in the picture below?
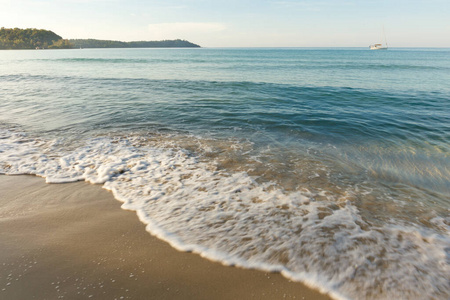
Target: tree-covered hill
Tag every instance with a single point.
(15, 38)
(91, 43)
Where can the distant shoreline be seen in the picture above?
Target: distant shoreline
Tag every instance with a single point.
(93, 43)
(31, 38)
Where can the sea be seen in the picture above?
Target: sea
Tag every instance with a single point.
(329, 165)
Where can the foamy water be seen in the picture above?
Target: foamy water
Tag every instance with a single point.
(317, 238)
(339, 182)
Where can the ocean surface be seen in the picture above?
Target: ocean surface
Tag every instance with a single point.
(331, 166)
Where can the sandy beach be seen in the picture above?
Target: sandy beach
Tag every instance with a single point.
(73, 241)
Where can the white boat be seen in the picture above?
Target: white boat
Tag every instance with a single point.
(380, 46)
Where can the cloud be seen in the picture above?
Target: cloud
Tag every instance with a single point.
(183, 30)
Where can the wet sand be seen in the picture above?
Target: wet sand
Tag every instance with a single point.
(73, 241)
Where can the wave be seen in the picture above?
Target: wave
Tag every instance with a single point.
(320, 236)
(330, 113)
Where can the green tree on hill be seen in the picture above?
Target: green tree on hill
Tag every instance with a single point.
(30, 38)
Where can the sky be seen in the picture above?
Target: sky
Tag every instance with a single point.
(240, 23)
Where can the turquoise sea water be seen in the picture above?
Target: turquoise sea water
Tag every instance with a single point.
(329, 165)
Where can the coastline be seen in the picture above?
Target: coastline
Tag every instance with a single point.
(74, 241)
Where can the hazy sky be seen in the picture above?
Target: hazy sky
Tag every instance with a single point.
(240, 23)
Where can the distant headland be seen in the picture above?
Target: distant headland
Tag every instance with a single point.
(30, 38)
(91, 43)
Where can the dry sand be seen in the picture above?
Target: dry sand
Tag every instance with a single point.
(73, 241)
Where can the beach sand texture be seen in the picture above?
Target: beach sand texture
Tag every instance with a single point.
(72, 241)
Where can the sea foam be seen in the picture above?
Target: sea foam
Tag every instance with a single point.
(228, 216)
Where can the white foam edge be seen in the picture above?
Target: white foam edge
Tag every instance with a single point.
(152, 227)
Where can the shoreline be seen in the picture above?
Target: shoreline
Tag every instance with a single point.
(73, 240)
